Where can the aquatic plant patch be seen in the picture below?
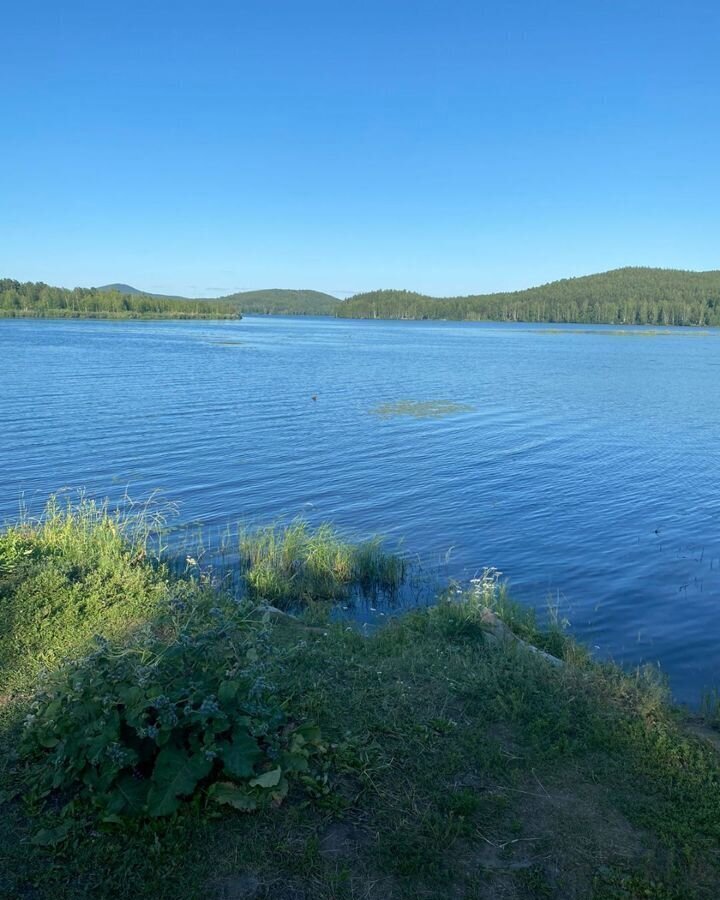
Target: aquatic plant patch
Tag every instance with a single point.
(421, 409)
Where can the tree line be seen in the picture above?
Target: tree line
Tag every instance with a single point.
(37, 299)
(629, 296)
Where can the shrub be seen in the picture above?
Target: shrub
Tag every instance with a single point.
(181, 706)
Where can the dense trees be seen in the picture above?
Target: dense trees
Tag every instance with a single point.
(278, 302)
(124, 302)
(38, 299)
(630, 296)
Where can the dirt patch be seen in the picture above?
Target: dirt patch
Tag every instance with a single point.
(554, 838)
(341, 841)
(246, 886)
(236, 887)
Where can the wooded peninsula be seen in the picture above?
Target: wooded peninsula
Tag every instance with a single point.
(37, 300)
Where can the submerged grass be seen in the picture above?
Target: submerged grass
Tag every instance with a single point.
(421, 409)
(458, 765)
(294, 564)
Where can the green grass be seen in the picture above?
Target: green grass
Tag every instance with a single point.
(292, 565)
(78, 571)
(456, 765)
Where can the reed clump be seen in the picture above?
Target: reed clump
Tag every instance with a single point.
(291, 565)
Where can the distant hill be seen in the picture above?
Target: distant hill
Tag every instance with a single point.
(628, 296)
(129, 291)
(123, 289)
(279, 302)
(273, 301)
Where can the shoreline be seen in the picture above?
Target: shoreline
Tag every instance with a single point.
(459, 750)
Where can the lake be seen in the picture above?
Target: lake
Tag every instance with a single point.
(580, 461)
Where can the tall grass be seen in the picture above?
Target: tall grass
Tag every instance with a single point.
(77, 570)
(710, 707)
(82, 569)
(293, 564)
(83, 526)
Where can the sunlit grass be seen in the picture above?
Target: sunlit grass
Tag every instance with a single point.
(77, 570)
(290, 565)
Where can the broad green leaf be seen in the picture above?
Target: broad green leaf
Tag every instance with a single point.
(280, 792)
(128, 796)
(241, 754)
(48, 837)
(311, 733)
(132, 695)
(294, 762)
(230, 794)
(267, 779)
(227, 691)
(176, 774)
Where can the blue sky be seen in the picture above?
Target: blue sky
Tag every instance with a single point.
(447, 147)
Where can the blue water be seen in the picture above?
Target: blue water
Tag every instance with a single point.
(587, 469)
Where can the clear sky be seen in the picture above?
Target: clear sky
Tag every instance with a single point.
(448, 147)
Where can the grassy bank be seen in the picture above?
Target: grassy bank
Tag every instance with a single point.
(438, 757)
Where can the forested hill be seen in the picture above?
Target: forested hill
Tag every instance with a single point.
(22, 299)
(269, 302)
(630, 296)
(279, 302)
(129, 289)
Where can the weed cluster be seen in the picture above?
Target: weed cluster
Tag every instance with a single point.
(152, 689)
(184, 703)
(292, 565)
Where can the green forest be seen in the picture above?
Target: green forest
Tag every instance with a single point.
(35, 299)
(278, 302)
(629, 296)
(267, 302)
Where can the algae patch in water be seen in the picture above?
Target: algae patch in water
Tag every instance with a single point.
(622, 332)
(421, 409)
